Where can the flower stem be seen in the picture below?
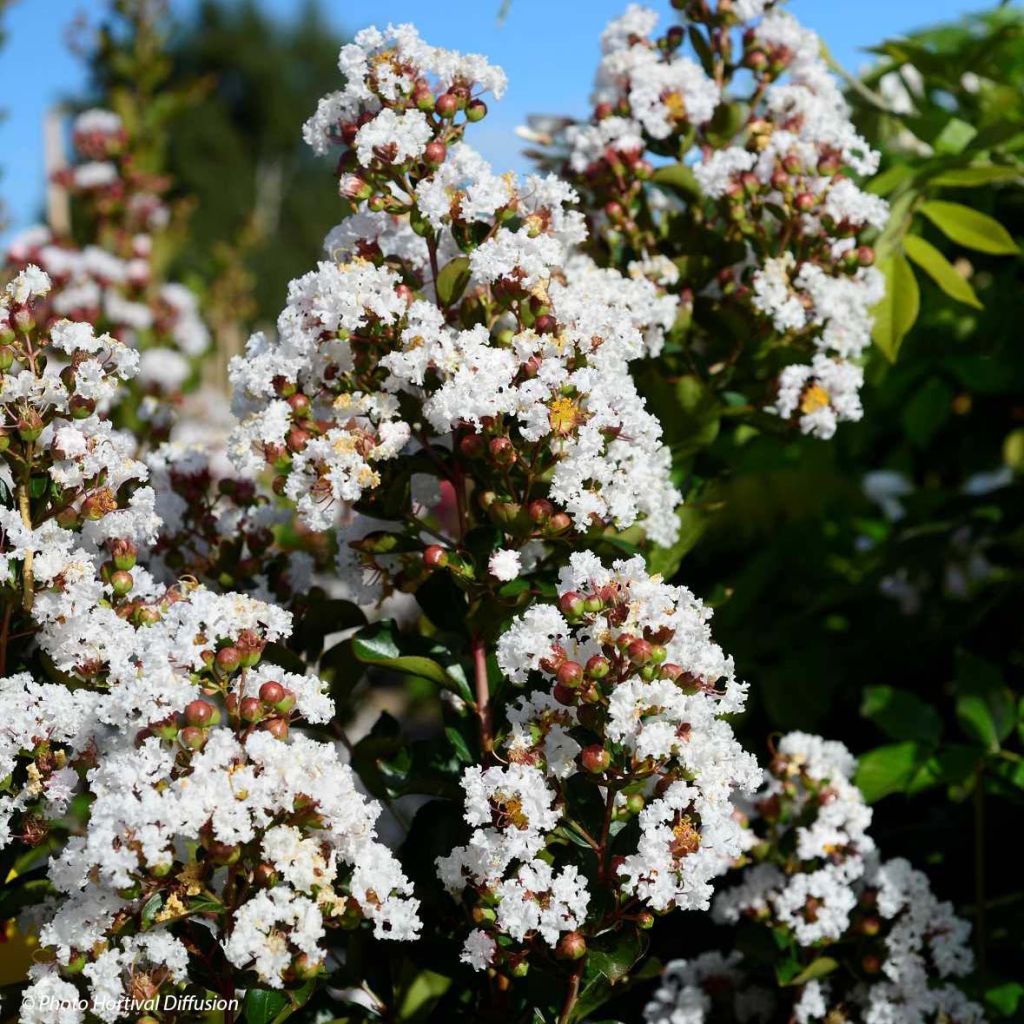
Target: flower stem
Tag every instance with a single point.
(483, 695)
(572, 993)
(27, 576)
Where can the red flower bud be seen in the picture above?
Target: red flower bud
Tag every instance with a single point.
(199, 713)
(595, 759)
(571, 946)
(271, 692)
(435, 557)
(570, 674)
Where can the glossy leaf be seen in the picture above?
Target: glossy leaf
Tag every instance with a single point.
(969, 227)
(452, 280)
(940, 270)
(889, 769)
(901, 715)
(897, 312)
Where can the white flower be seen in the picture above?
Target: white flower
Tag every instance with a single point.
(505, 565)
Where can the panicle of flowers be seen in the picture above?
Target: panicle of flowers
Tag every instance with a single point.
(115, 281)
(453, 329)
(206, 803)
(766, 151)
(621, 720)
(74, 486)
(812, 876)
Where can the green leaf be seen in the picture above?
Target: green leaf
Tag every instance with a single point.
(955, 765)
(817, 969)
(969, 228)
(901, 715)
(889, 769)
(666, 561)
(927, 411)
(897, 312)
(955, 136)
(1004, 999)
(609, 962)
(377, 646)
(425, 989)
(262, 1005)
(452, 280)
(150, 909)
(977, 176)
(940, 270)
(679, 178)
(985, 707)
(459, 744)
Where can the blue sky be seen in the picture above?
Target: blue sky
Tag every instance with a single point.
(548, 47)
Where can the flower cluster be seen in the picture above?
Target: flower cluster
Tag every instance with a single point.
(63, 464)
(889, 948)
(622, 721)
(116, 282)
(772, 223)
(454, 331)
(206, 808)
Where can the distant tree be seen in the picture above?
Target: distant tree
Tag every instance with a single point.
(239, 153)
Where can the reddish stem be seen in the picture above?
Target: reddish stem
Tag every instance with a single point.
(483, 695)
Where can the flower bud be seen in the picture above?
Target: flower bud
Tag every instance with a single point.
(277, 727)
(435, 557)
(447, 106)
(265, 875)
(199, 713)
(476, 110)
(250, 709)
(271, 693)
(570, 674)
(571, 946)
(121, 582)
(503, 451)
(595, 759)
(228, 659)
(635, 803)
(640, 652)
(564, 695)
(558, 523)
(598, 667)
(540, 511)
(571, 604)
(434, 154)
(192, 738)
(123, 553)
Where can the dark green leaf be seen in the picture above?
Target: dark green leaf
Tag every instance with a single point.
(985, 707)
(889, 769)
(678, 177)
(452, 280)
(901, 715)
